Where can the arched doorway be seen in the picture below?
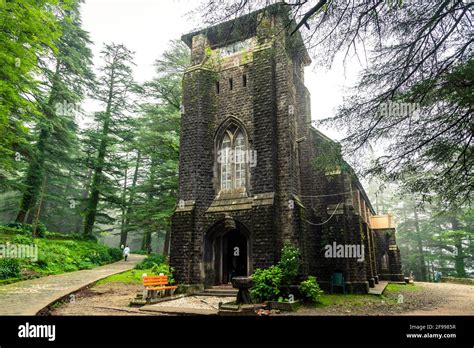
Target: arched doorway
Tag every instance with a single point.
(226, 252)
(234, 255)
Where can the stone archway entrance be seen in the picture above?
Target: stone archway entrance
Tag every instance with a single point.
(227, 252)
(234, 256)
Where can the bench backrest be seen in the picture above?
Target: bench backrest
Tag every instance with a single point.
(155, 280)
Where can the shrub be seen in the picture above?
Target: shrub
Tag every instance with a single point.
(165, 269)
(40, 230)
(115, 254)
(21, 239)
(9, 268)
(27, 229)
(266, 283)
(100, 257)
(289, 263)
(59, 254)
(150, 261)
(11, 231)
(42, 263)
(58, 236)
(310, 289)
(18, 228)
(87, 238)
(85, 265)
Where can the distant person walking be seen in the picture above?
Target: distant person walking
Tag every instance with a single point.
(126, 251)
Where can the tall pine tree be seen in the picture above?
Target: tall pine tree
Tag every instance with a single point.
(114, 90)
(68, 74)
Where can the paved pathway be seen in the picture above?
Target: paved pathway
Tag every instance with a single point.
(30, 296)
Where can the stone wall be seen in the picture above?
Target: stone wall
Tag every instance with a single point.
(385, 241)
(261, 90)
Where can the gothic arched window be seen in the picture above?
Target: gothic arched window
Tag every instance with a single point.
(226, 166)
(232, 159)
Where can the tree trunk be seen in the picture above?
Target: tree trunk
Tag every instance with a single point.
(84, 199)
(377, 204)
(421, 256)
(382, 203)
(38, 212)
(166, 247)
(35, 174)
(146, 242)
(125, 220)
(91, 207)
(33, 180)
(123, 233)
(459, 257)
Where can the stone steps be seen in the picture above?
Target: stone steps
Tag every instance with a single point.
(379, 288)
(218, 291)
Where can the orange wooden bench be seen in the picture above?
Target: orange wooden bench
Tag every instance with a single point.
(157, 283)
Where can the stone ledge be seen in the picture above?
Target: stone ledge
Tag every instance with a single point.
(242, 203)
(198, 67)
(178, 310)
(188, 207)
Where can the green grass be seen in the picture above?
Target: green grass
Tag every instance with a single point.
(350, 300)
(133, 276)
(152, 265)
(58, 304)
(150, 261)
(353, 300)
(398, 288)
(58, 256)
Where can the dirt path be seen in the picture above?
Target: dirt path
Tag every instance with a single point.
(423, 299)
(451, 299)
(107, 299)
(30, 296)
(113, 299)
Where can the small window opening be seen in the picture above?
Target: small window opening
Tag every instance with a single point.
(244, 80)
(217, 87)
(231, 84)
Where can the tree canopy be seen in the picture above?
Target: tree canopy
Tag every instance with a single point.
(414, 95)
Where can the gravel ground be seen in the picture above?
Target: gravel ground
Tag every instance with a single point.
(199, 302)
(426, 299)
(106, 299)
(446, 299)
(114, 298)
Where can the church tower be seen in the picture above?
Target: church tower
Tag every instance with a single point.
(245, 157)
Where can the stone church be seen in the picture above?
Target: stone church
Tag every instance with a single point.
(248, 179)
